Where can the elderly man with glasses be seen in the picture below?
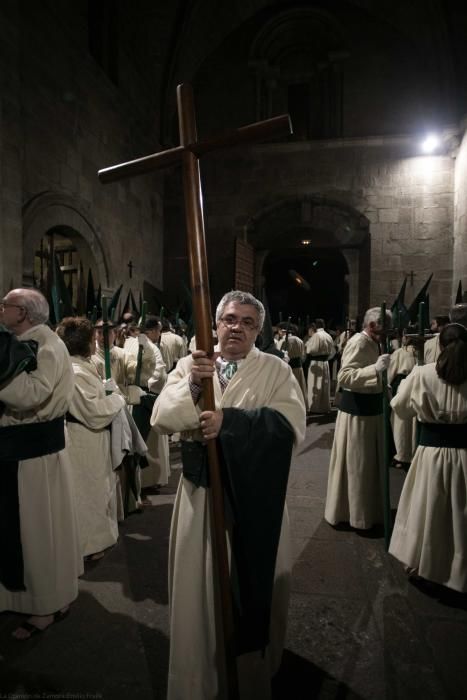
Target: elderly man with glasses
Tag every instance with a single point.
(260, 415)
(39, 553)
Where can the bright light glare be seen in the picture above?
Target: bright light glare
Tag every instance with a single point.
(430, 144)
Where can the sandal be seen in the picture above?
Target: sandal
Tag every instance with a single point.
(33, 629)
(94, 557)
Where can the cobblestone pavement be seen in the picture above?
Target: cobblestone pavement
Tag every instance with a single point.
(357, 627)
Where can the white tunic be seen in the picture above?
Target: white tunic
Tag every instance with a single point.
(51, 554)
(354, 492)
(122, 366)
(296, 350)
(430, 532)
(261, 380)
(154, 376)
(172, 349)
(431, 349)
(152, 365)
(404, 430)
(95, 482)
(319, 383)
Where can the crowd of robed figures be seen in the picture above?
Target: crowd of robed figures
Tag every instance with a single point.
(76, 449)
(260, 415)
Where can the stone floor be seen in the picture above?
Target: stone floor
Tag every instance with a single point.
(357, 627)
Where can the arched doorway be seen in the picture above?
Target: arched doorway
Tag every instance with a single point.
(312, 229)
(56, 228)
(307, 285)
(78, 270)
(63, 216)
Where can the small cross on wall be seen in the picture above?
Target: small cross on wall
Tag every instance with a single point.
(130, 268)
(412, 274)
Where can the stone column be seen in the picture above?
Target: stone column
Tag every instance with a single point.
(352, 258)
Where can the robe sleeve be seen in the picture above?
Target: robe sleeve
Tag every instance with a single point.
(158, 378)
(30, 390)
(174, 410)
(351, 374)
(402, 403)
(90, 407)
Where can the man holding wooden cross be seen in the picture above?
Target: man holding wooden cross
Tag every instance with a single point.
(259, 416)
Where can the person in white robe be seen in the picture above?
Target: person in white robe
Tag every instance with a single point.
(123, 372)
(156, 473)
(89, 416)
(171, 345)
(430, 531)
(122, 364)
(354, 493)
(248, 385)
(431, 348)
(51, 559)
(404, 431)
(319, 348)
(295, 348)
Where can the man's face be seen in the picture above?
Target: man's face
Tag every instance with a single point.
(100, 336)
(12, 312)
(237, 330)
(375, 331)
(434, 326)
(153, 334)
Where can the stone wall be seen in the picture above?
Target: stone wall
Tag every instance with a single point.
(460, 217)
(406, 199)
(11, 151)
(63, 118)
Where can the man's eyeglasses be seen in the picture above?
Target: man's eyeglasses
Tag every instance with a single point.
(248, 323)
(5, 304)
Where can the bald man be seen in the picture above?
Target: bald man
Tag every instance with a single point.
(40, 559)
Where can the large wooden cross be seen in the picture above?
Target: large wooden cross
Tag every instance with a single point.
(189, 152)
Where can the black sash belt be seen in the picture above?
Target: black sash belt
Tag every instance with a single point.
(295, 362)
(361, 404)
(443, 435)
(20, 442)
(195, 462)
(318, 358)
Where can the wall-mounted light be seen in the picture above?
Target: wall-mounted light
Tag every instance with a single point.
(306, 241)
(431, 143)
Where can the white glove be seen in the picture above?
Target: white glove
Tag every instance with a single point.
(134, 394)
(286, 357)
(143, 340)
(110, 385)
(382, 363)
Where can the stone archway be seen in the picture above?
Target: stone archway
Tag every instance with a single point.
(52, 211)
(326, 224)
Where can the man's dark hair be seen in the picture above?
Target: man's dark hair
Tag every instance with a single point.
(151, 322)
(442, 320)
(100, 323)
(292, 328)
(76, 333)
(165, 324)
(452, 362)
(458, 314)
(319, 322)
